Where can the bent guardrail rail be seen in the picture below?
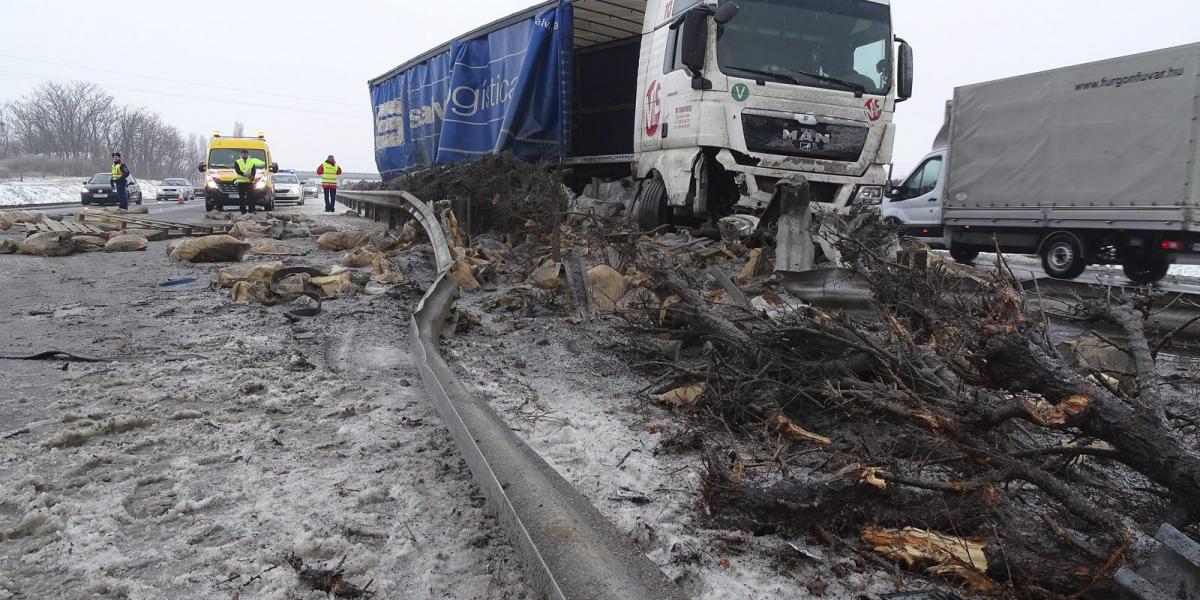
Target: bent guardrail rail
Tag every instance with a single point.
(568, 549)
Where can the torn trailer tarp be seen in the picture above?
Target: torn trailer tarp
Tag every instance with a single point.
(505, 90)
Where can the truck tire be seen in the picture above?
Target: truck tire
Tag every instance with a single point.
(1062, 256)
(650, 207)
(963, 254)
(1146, 270)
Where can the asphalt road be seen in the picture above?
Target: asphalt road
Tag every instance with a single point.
(191, 211)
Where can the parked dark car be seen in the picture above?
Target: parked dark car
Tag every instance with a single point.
(171, 189)
(99, 190)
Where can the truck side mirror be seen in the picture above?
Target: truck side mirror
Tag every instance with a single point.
(904, 72)
(725, 12)
(202, 167)
(274, 167)
(695, 41)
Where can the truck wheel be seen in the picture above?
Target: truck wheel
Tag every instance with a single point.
(1062, 256)
(650, 207)
(963, 254)
(1146, 270)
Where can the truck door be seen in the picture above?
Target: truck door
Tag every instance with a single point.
(667, 97)
(917, 203)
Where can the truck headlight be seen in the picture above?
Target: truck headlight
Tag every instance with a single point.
(869, 194)
(260, 184)
(211, 184)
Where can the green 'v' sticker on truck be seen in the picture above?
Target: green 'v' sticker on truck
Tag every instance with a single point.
(740, 92)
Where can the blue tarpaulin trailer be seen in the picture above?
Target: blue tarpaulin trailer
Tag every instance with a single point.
(515, 86)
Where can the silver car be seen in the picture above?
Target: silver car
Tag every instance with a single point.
(172, 189)
(288, 188)
(312, 187)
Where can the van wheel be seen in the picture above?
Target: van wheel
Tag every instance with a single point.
(650, 207)
(1062, 256)
(963, 254)
(1146, 270)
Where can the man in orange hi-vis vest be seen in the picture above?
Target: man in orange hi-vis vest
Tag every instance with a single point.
(329, 171)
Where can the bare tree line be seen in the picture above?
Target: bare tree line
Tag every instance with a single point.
(76, 127)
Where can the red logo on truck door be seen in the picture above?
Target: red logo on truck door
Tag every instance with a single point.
(653, 109)
(874, 109)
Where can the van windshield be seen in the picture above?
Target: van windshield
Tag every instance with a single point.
(224, 157)
(849, 40)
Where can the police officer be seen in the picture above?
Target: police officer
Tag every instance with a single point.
(246, 167)
(329, 171)
(120, 180)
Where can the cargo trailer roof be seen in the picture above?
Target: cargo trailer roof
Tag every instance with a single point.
(596, 22)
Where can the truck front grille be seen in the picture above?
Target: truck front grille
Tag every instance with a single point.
(227, 187)
(828, 140)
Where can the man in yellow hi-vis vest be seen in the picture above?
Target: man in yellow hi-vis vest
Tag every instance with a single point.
(120, 180)
(329, 171)
(246, 168)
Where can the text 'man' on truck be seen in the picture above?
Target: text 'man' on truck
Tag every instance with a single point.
(706, 106)
(1090, 164)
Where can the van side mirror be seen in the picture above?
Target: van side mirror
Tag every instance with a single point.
(904, 72)
(274, 167)
(202, 167)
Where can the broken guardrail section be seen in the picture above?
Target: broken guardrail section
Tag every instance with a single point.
(569, 550)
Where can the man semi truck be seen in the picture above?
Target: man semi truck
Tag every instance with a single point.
(1091, 164)
(706, 106)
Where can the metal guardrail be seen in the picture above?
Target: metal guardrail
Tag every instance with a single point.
(1173, 310)
(568, 549)
(36, 207)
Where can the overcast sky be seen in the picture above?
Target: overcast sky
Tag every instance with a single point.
(297, 69)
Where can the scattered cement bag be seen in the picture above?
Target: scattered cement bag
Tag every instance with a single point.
(323, 229)
(332, 285)
(608, 287)
(245, 229)
(210, 248)
(246, 291)
(386, 273)
(47, 243)
(548, 276)
(293, 230)
(359, 258)
(7, 246)
(351, 213)
(383, 241)
(461, 272)
(217, 215)
(293, 217)
(153, 235)
(20, 216)
(260, 273)
(139, 210)
(342, 240)
(126, 243)
(274, 248)
(90, 243)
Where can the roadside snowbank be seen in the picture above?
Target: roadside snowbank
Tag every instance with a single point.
(54, 190)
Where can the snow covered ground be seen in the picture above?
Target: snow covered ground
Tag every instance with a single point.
(220, 438)
(54, 190)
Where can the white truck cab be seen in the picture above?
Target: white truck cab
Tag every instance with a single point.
(735, 97)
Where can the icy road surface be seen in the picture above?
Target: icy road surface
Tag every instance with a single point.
(221, 439)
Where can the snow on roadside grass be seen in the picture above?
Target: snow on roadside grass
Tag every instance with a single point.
(54, 190)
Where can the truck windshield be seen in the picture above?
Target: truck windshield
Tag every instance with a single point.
(224, 157)
(846, 40)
